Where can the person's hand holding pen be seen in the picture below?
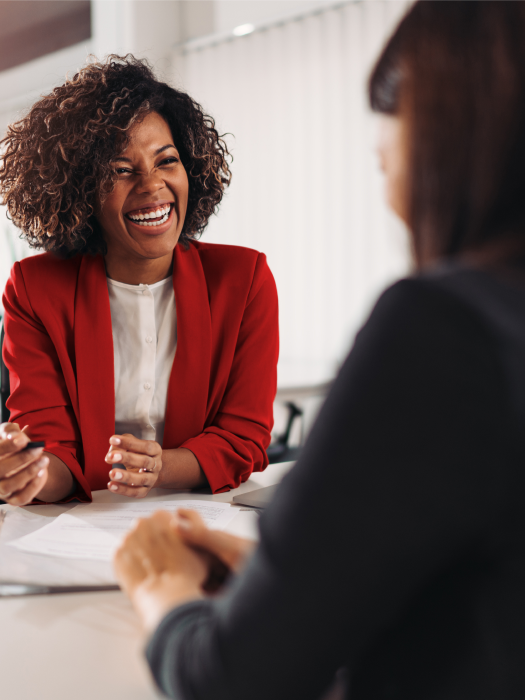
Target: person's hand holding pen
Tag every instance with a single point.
(23, 472)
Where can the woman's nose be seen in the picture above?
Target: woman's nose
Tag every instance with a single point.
(149, 182)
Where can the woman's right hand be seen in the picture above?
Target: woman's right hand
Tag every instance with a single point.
(23, 473)
(224, 552)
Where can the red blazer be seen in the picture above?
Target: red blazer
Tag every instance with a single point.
(58, 348)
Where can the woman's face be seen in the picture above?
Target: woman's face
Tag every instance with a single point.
(391, 148)
(143, 216)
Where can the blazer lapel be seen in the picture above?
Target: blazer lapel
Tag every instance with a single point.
(95, 368)
(190, 376)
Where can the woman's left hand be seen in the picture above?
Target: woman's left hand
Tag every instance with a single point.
(142, 462)
(157, 570)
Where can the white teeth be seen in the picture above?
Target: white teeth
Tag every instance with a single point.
(153, 223)
(142, 219)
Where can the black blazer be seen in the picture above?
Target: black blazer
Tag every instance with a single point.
(396, 546)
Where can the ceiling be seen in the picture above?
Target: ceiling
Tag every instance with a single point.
(33, 28)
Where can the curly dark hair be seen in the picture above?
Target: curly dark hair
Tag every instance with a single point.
(58, 158)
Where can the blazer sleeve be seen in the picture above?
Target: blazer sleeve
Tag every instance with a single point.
(39, 396)
(235, 442)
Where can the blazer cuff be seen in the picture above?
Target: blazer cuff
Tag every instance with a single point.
(219, 477)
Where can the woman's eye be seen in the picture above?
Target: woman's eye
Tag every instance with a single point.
(122, 171)
(169, 161)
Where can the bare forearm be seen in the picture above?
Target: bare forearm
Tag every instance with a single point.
(180, 470)
(60, 482)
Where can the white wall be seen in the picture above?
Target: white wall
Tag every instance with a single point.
(306, 187)
(147, 28)
(197, 18)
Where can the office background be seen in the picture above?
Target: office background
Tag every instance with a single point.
(285, 80)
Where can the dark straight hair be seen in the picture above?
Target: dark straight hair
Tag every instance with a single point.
(456, 72)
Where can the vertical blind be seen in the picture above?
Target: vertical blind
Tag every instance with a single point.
(306, 186)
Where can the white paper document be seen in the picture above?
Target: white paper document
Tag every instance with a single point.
(94, 530)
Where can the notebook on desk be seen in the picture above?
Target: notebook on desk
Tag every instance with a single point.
(258, 498)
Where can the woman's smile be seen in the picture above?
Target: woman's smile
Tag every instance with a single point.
(153, 219)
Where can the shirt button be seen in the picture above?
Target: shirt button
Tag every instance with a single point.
(148, 339)
(147, 385)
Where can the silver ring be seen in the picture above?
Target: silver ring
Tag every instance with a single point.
(148, 471)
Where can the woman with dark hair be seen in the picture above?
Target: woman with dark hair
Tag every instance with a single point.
(396, 546)
(128, 343)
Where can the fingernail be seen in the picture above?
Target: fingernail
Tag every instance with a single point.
(116, 475)
(116, 457)
(41, 472)
(113, 487)
(114, 441)
(42, 462)
(184, 524)
(19, 441)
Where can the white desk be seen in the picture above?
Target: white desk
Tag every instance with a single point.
(84, 646)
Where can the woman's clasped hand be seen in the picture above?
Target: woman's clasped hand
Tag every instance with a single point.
(169, 559)
(23, 473)
(139, 463)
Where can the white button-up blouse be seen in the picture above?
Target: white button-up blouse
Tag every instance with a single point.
(144, 323)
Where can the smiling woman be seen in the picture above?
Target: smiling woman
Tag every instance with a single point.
(129, 343)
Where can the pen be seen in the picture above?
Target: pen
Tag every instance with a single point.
(3, 515)
(9, 590)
